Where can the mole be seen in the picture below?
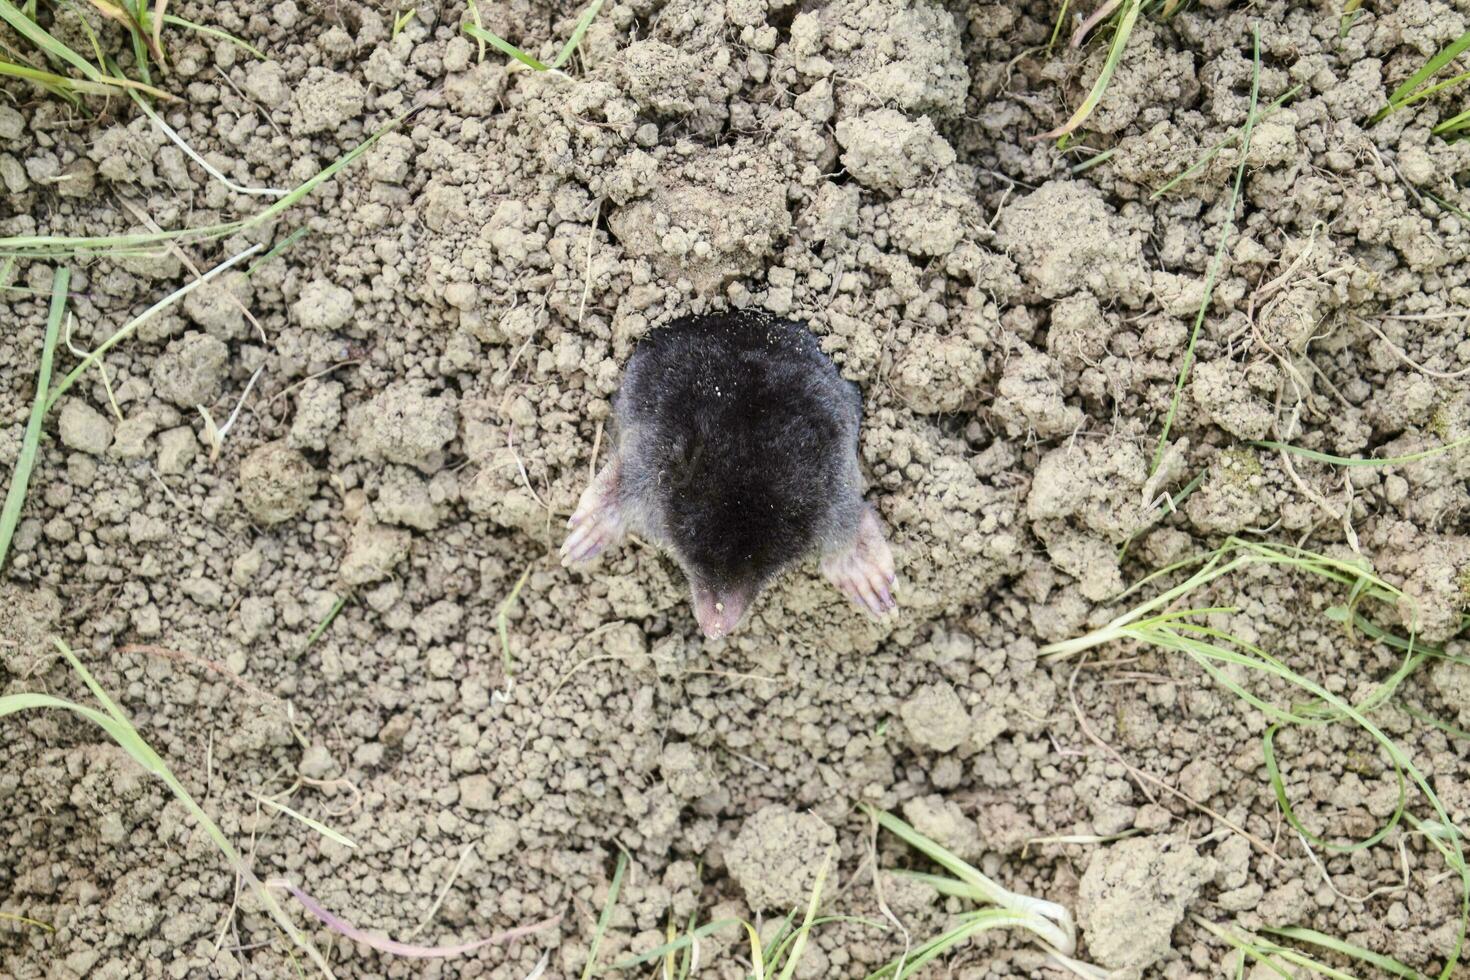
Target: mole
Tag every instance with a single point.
(736, 451)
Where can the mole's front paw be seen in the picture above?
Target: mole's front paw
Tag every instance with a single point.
(598, 522)
(865, 571)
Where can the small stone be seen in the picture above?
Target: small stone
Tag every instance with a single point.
(396, 729)
(323, 306)
(457, 54)
(405, 498)
(405, 425)
(78, 180)
(84, 428)
(943, 821)
(276, 483)
(132, 910)
(202, 591)
(887, 150)
(501, 837)
(461, 295)
(147, 622)
(265, 82)
(367, 755)
(687, 775)
(12, 124)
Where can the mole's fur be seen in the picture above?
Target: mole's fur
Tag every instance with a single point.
(737, 451)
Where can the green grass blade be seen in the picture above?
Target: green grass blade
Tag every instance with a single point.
(20, 477)
(1431, 67)
(1219, 257)
(798, 946)
(1278, 787)
(98, 56)
(315, 825)
(1115, 54)
(606, 916)
(502, 622)
(480, 34)
(46, 42)
(584, 22)
(216, 33)
(1317, 457)
(27, 921)
(1453, 124)
(1385, 963)
(65, 86)
(280, 247)
(1214, 151)
(1437, 87)
(1261, 953)
(1453, 731)
(58, 85)
(320, 628)
(685, 941)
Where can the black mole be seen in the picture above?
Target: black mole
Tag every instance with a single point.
(737, 451)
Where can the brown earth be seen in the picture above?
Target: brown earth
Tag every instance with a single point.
(436, 358)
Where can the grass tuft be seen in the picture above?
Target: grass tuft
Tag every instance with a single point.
(1415, 89)
(94, 80)
(1122, 16)
(775, 959)
(117, 726)
(57, 246)
(1050, 924)
(1227, 660)
(477, 31)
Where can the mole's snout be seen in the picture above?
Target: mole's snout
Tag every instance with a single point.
(719, 610)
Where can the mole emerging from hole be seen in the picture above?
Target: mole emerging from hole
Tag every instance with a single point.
(737, 452)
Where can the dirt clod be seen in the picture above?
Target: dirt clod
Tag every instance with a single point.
(276, 483)
(777, 854)
(1133, 894)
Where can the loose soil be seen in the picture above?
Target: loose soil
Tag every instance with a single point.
(436, 354)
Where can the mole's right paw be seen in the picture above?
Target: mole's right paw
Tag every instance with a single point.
(865, 571)
(598, 522)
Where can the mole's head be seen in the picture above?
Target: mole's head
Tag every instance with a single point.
(732, 530)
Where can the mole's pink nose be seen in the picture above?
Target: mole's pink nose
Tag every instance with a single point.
(719, 611)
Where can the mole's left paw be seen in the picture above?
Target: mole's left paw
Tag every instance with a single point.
(865, 571)
(598, 522)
